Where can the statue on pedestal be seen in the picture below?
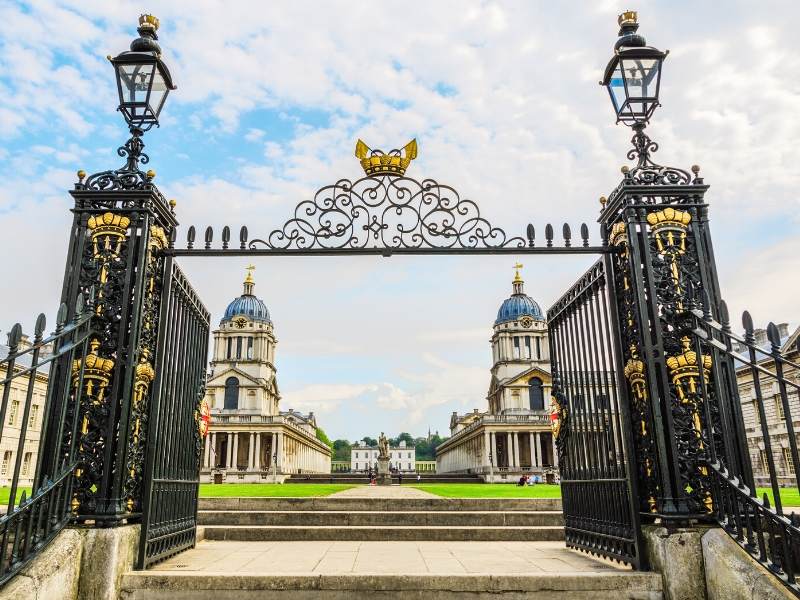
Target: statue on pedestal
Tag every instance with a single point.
(383, 446)
(384, 476)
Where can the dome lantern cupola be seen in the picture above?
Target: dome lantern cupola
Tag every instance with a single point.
(247, 305)
(519, 304)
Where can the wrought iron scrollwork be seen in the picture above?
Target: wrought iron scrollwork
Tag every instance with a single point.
(129, 177)
(646, 171)
(387, 212)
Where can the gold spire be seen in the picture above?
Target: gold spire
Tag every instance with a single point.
(249, 281)
(517, 278)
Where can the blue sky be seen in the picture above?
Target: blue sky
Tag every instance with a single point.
(503, 100)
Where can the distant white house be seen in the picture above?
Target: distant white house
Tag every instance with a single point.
(402, 458)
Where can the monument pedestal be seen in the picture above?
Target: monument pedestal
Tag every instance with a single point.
(384, 476)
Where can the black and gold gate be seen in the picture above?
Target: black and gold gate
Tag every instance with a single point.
(591, 423)
(172, 464)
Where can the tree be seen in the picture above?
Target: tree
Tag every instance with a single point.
(341, 450)
(426, 450)
(369, 441)
(324, 438)
(403, 437)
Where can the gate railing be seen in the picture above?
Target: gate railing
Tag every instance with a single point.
(761, 526)
(593, 423)
(52, 368)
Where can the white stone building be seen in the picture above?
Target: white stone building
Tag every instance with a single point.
(514, 436)
(250, 439)
(402, 457)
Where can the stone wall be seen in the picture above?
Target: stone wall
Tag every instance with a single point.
(704, 563)
(79, 564)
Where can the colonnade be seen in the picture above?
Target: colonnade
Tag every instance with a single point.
(511, 450)
(256, 451)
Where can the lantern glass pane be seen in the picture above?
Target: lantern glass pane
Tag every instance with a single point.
(135, 80)
(158, 93)
(616, 85)
(641, 77)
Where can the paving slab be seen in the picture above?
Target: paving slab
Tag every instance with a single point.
(400, 558)
(383, 491)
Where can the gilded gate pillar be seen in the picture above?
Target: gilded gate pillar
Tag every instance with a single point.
(121, 225)
(656, 223)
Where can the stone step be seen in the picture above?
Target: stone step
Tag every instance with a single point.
(381, 504)
(155, 585)
(388, 533)
(371, 518)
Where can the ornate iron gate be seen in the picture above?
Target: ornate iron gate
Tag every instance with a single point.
(591, 421)
(172, 464)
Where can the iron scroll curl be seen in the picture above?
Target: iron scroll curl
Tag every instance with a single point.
(389, 212)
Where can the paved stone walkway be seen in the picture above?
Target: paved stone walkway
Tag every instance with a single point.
(384, 558)
(382, 491)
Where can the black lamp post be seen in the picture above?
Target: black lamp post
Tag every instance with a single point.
(143, 83)
(633, 80)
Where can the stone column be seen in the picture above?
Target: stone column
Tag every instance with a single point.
(206, 451)
(492, 448)
(539, 458)
(236, 451)
(257, 465)
(532, 444)
(555, 454)
(251, 451)
(516, 451)
(229, 452)
(509, 450)
(273, 451)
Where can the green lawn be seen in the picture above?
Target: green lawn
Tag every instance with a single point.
(789, 496)
(288, 490)
(490, 490)
(5, 492)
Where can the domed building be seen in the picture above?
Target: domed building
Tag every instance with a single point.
(250, 439)
(514, 435)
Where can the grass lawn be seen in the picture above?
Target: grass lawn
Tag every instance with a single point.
(288, 490)
(5, 492)
(490, 490)
(789, 496)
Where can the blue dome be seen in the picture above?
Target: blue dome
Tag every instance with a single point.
(517, 306)
(248, 306)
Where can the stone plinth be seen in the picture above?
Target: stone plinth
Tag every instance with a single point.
(384, 476)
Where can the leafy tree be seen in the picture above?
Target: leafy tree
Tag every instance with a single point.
(341, 450)
(324, 438)
(369, 441)
(403, 437)
(426, 450)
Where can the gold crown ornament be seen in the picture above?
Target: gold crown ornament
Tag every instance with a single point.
(619, 234)
(669, 219)
(158, 237)
(377, 162)
(96, 369)
(686, 367)
(148, 21)
(629, 17)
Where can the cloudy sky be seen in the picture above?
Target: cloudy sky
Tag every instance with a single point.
(503, 100)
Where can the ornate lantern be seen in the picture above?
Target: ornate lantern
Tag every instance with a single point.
(633, 75)
(143, 80)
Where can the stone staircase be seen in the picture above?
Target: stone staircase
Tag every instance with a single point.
(380, 519)
(410, 548)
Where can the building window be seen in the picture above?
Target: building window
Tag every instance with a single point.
(538, 349)
(230, 347)
(536, 394)
(12, 416)
(757, 414)
(356, 454)
(239, 347)
(779, 407)
(250, 348)
(5, 463)
(764, 465)
(231, 393)
(34, 413)
(26, 465)
(516, 347)
(787, 459)
(527, 346)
